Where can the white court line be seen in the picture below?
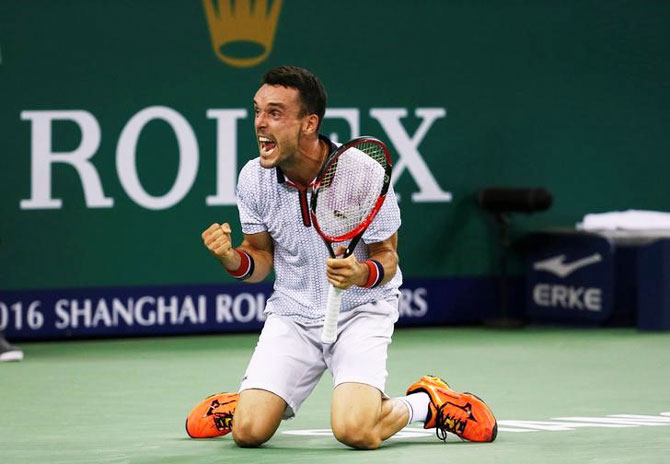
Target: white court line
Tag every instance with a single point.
(555, 424)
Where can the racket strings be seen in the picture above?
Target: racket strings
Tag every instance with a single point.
(350, 188)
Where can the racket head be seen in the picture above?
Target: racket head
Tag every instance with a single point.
(350, 189)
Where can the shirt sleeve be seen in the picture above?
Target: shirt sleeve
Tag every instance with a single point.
(386, 222)
(249, 199)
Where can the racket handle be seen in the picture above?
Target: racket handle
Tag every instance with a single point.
(329, 333)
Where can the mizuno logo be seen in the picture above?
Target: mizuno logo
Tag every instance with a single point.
(557, 265)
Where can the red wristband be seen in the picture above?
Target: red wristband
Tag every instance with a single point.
(246, 266)
(376, 273)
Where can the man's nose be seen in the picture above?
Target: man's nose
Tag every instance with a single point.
(260, 120)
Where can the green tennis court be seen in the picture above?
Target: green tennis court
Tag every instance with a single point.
(126, 400)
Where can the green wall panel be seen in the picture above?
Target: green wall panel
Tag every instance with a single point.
(570, 95)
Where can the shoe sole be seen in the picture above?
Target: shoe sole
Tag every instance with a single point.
(219, 434)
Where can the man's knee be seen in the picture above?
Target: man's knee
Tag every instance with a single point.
(356, 435)
(250, 434)
(257, 417)
(355, 415)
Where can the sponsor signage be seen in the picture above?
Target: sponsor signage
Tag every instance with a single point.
(243, 23)
(44, 157)
(130, 311)
(570, 278)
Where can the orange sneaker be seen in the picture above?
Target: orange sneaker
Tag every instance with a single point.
(463, 414)
(213, 417)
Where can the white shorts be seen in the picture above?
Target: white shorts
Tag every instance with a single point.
(289, 358)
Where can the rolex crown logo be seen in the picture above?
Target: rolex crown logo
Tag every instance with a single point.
(242, 31)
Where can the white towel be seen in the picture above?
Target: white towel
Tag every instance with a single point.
(631, 219)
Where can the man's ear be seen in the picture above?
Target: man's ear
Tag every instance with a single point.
(310, 124)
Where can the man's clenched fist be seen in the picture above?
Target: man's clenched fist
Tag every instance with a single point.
(218, 241)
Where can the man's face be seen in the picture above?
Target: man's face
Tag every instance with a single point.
(278, 123)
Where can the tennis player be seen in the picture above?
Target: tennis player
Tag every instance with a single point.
(290, 358)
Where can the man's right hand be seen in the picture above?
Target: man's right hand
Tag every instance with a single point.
(218, 241)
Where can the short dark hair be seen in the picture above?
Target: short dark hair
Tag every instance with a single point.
(311, 91)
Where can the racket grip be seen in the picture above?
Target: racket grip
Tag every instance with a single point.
(329, 333)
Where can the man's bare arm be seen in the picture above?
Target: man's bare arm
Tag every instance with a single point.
(260, 247)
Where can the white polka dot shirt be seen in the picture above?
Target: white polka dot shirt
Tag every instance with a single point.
(268, 202)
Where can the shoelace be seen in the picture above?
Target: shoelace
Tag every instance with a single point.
(445, 422)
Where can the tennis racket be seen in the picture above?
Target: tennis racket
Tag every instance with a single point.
(349, 191)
